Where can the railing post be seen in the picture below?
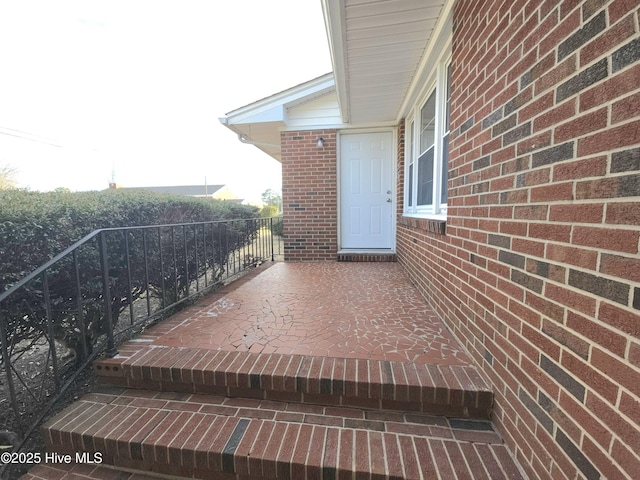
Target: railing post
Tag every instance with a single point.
(175, 264)
(50, 329)
(164, 301)
(146, 271)
(129, 281)
(106, 292)
(271, 230)
(80, 316)
(6, 360)
(226, 250)
(186, 259)
(195, 252)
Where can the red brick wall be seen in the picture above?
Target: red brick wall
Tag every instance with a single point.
(539, 271)
(400, 169)
(309, 195)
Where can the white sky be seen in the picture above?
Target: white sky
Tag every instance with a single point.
(139, 85)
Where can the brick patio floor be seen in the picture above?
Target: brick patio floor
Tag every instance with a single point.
(294, 371)
(348, 310)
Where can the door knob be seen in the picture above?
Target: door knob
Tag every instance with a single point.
(389, 200)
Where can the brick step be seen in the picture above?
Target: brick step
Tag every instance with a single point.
(205, 436)
(452, 390)
(367, 257)
(74, 471)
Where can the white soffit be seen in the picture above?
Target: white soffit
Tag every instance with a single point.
(272, 108)
(376, 48)
(260, 122)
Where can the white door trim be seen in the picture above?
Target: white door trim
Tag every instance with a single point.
(394, 163)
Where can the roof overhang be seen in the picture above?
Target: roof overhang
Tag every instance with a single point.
(380, 50)
(261, 122)
(384, 53)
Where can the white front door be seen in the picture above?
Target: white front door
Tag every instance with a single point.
(366, 190)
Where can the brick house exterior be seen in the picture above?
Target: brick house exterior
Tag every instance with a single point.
(310, 195)
(532, 259)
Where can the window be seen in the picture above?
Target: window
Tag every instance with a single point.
(410, 165)
(427, 150)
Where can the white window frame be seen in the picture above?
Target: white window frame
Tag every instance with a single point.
(438, 209)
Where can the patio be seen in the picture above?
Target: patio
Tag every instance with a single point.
(346, 310)
(245, 383)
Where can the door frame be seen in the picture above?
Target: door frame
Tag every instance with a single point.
(394, 189)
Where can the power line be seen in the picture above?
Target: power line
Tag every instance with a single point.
(28, 136)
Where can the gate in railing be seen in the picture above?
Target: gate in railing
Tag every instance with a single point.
(58, 319)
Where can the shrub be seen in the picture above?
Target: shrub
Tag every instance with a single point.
(34, 227)
(268, 211)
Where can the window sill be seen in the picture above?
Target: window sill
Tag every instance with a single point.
(430, 223)
(442, 217)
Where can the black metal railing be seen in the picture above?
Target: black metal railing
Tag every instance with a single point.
(59, 318)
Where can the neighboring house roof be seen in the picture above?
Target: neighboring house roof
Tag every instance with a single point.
(187, 190)
(382, 53)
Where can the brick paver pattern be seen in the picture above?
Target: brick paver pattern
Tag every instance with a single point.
(348, 310)
(297, 370)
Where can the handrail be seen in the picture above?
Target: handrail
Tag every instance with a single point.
(139, 272)
(88, 237)
(23, 281)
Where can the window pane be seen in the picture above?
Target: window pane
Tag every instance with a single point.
(445, 168)
(448, 105)
(425, 178)
(410, 181)
(409, 186)
(428, 123)
(410, 142)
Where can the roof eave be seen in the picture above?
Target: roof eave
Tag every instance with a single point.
(335, 15)
(271, 149)
(437, 42)
(317, 86)
(335, 25)
(249, 121)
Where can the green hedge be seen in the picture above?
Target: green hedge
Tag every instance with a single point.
(34, 227)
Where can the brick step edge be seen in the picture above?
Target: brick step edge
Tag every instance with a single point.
(83, 471)
(367, 257)
(454, 390)
(192, 437)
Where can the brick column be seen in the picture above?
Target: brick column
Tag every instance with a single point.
(309, 195)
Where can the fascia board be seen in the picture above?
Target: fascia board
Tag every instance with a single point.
(273, 114)
(437, 42)
(307, 98)
(346, 126)
(335, 25)
(275, 104)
